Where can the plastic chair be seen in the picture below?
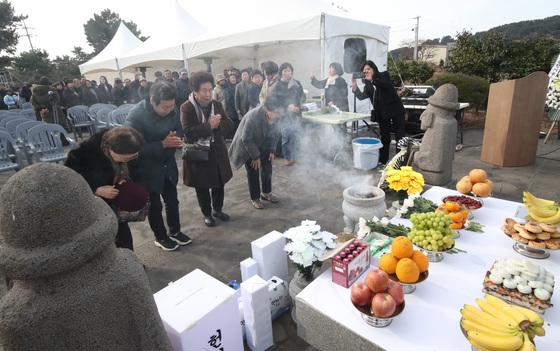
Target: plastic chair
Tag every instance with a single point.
(12, 124)
(9, 153)
(5, 120)
(21, 137)
(125, 107)
(103, 118)
(44, 143)
(92, 111)
(78, 118)
(27, 106)
(118, 117)
(29, 114)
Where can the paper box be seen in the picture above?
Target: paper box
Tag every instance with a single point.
(200, 313)
(279, 297)
(248, 268)
(349, 264)
(256, 310)
(271, 258)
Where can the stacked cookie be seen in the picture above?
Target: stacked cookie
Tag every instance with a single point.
(534, 234)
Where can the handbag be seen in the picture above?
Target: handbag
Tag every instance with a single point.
(196, 152)
(133, 202)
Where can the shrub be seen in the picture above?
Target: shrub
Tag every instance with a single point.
(412, 72)
(472, 89)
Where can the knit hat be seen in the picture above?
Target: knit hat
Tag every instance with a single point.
(132, 197)
(219, 77)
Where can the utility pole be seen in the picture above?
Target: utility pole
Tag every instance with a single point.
(27, 35)
(416, 38)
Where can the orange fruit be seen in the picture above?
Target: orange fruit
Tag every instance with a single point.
(407, 271)
(456, 225)
(402, 247)
(457, 217)
(421, 261)
(482, 189)
(388, 263)
(477, 176)
(464, 186)
(452, 206)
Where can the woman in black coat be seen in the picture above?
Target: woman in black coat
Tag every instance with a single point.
(388, 109)
(205, 122)
(104, 91)
(336, 88)
(107, 160)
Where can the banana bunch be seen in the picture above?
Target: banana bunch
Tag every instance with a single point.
(542, 210)
(499, 326)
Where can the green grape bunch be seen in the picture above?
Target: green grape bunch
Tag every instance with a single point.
(431, 231)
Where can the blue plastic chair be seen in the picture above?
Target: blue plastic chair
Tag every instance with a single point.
(78, 118)
(44, 143)
(10, 159)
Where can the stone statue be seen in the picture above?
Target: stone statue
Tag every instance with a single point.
(435, 157)
(72, 288)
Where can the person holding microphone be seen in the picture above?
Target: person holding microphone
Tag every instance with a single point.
(388, 109)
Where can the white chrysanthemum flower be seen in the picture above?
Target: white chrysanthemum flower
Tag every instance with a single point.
(375, 219)
(384, 221)
(408, 203)
(403, 210)
(397, 215)
(308, 222)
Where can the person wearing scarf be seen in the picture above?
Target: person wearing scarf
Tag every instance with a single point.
(205, 122)
(336, 88)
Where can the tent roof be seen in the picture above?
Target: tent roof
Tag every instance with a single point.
(180, 27)
(308, 28)
(123, 41)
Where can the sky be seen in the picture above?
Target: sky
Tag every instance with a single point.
(57, 25)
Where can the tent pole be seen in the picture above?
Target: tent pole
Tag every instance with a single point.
(185, 61)
(118, 67)
(322, 44)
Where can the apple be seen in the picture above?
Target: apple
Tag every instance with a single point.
(361, 295)
(383, 305)
(396, 292)
(377, 280)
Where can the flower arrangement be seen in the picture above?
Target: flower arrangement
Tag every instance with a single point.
(382, 226)
(553, 94)
(306, 244)
(405, 179)
(415, 204)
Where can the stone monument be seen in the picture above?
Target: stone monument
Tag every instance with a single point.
(72, 288)
(435, 157)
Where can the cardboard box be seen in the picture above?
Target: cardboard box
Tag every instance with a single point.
(256, 310)
(346, 271)
(200, 313)
(279, 297)
(271, 258)
(248, 268)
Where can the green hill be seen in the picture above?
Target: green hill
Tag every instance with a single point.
(542, 28)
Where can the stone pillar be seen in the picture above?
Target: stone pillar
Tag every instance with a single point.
(435, 157)
(72, 288)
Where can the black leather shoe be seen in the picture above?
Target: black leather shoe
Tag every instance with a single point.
(209, 221)
(221, 215)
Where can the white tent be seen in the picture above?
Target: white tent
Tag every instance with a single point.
(166, 47)
(309, 44)
(107, 60)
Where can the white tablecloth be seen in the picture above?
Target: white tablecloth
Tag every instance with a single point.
(430, 320)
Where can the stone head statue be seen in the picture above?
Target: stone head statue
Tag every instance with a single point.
(444, 103)
(72, 288)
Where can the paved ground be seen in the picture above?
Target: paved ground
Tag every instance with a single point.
(311, 189)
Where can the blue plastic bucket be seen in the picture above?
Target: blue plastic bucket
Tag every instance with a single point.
(366, 152)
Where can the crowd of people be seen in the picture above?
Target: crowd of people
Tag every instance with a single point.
(133, 168)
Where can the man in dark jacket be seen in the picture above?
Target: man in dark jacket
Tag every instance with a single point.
(388, 109)
(71, 95)
(42, 99)
(25, 93)
(254, 145)
(183, 87)
(144, 90)
(254, 88)
(158, 121)
(242, 94)
(119, 93)
(89, 94)
(134, 85)
(229, 97)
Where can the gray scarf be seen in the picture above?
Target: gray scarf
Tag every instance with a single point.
(201, 118)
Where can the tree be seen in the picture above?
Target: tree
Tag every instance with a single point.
(8, 31)
(31, 65)
(446, 40)
(65, 67)
(411, 71)
(102, 27)
(80, 56)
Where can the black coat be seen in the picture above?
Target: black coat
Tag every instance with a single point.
(229, 94)
(25, 93)
(89, 96)
(217, 171)
(119, 95)
(253, 95)
(336, 93)
(387, 104)
(133, 91)
(156, 163)
(183, 91)
(92, 164)
(105, 93)
(71, 97)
